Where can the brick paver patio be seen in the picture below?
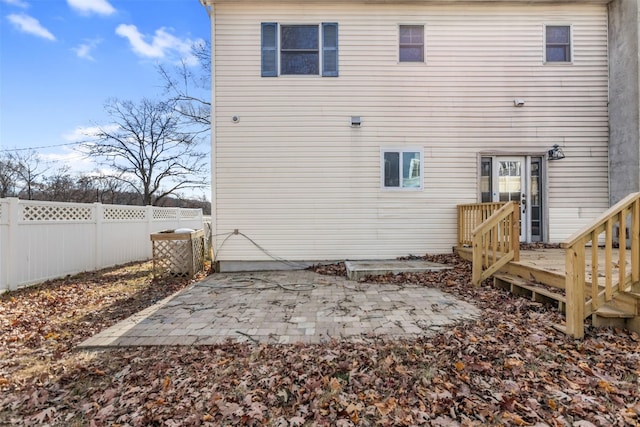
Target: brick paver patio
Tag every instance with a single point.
(286, 307)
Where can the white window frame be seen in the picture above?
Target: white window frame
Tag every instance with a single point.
(400, 151)
(544, 43)
(424, 43)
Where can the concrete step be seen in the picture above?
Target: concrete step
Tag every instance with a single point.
(357, 270)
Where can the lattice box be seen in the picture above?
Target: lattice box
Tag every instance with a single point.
(178, 254)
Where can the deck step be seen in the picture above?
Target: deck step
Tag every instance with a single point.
(519, 286)
(610, 312)
(635, 295)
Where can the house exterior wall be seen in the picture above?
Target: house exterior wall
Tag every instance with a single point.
(295, 177)
(624, 110)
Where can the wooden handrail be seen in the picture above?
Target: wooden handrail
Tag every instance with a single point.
(598, 222)
(470, 216)
(496, 241)
(578, 308)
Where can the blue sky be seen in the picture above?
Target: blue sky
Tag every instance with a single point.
(60, 60)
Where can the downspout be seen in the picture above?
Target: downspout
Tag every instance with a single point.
(208, 5)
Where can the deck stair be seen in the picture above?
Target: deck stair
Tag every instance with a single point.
(520, 286)
(488, 235)
(623, 311)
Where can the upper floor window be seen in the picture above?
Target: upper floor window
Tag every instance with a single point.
(299, 49)
(411, 43)
(557, 43)
(401, 169)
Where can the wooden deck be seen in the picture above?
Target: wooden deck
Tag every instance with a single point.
(540, 275)
(547, 266)
(553, 260)
(593, 281)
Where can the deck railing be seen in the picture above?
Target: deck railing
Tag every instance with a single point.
(495, 240)
(623, 217)
(472, 215)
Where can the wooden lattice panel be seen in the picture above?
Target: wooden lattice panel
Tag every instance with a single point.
(178, 254)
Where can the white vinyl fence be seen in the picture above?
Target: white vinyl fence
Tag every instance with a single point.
(46, 240)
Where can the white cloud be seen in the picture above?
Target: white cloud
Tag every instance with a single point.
(163, 45)
(83, 50)
(87, 133)
(101, 7)
(17, 3)
(78, 161)
(30, 25)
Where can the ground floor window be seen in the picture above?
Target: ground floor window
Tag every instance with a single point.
(401, 168)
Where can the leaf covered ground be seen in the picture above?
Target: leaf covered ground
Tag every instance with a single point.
(510, 367)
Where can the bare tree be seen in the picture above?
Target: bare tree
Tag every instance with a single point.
(111, 190)
(29, 169)
(60, 186)
(188, 90)
(148, 149)
(8, 177)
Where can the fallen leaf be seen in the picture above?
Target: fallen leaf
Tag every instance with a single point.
(45, 415)
(585, 368)
(386, 407)
(297, 421)
(604, 385)
(511, 363)
(517, 419)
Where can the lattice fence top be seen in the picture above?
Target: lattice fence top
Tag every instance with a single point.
(56, 213)
(124, 213)
(190, 213)
(166, 213)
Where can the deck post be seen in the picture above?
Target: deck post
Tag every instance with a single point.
(574, 285)
(635, 241)
(476, 263)
(515, 233)
(460, 223)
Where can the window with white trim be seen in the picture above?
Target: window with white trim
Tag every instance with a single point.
(557, 39)
(411, 47)
(300, 49)
(401, 169)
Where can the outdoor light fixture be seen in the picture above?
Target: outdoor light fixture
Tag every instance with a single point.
(356, 121)
(556, 153)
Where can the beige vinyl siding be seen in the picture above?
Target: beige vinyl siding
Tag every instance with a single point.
(295, 177)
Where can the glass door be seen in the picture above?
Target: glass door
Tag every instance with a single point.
(511, 187)
(535, 199)
(518, 179)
